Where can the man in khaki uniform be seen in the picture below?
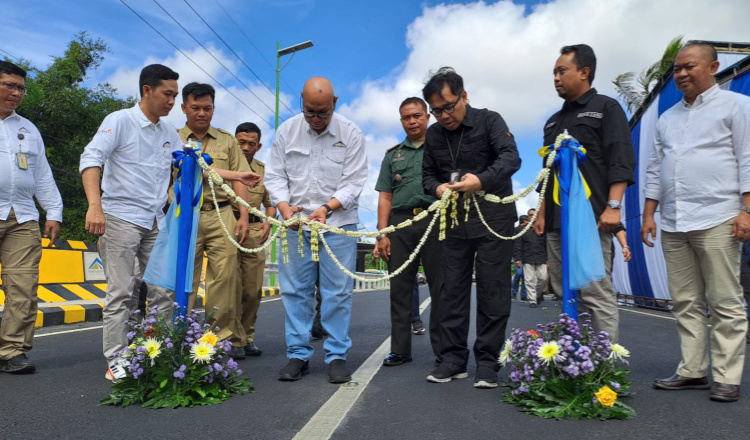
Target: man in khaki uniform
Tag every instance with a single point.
(222, 272)
(252, 264)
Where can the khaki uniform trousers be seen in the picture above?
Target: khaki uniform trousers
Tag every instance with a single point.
(20, 254)
(599, 299)
(222, 274)
(251, 268)
(703, 268)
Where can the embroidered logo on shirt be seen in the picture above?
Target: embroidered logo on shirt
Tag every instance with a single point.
(23, 130)
(103, 131)
(339, 144)
(550, 124)
(596, 115)
(166, 145)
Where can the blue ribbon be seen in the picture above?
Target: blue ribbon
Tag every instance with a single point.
(179, 156)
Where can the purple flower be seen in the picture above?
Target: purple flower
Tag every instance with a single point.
(130, 335)
(179, 374)
(615, 386)
(217, 367)
(169, 345)
(239, 372)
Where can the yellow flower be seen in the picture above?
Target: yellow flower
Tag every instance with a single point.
(209, 338)
(549, 352)
(505, 354)
(153, 347)
(618, 352)
(202, 352)
(606, 396)
(132, 347)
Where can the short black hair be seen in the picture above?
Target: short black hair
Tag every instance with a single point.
(583, 56)
(248, 127)
(706, 48)
(523, 218)
(413, 100)
(153, 74)
(198, 90)
(11, 69)
(438, 80)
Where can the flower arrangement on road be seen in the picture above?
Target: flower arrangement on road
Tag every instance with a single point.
(564, 369)
(176, 364)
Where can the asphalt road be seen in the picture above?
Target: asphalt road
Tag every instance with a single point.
(60, 401)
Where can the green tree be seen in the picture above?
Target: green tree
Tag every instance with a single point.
(633, 91)
(68, 114)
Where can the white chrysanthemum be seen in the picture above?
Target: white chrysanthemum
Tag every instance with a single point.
(549, 352)
(505, 353)
(153, 347)
(202, 352)
(618, 352)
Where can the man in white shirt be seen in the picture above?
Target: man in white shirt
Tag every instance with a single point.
(24, 174)
(699, 172)
(318, 167)
(136, 147)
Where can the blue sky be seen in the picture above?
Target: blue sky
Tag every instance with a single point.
(375, 53)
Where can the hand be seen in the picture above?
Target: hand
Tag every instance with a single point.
(469, 183)
(51, 229)
(648, 226)
(287, 212)
(319, 215)
(538, 225)
(241, 229)
(266, 228)
(440, 190)
(626, 253)
(95, 222)
(383, 249)
(741, 227)
(609, 220)
(248, 178)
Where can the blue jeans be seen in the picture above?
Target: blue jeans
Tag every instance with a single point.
(297, 282)
(518, 278)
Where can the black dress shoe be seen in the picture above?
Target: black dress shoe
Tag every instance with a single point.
(677, 382)
(393, 360)
(722, 392)
(338, 372)
(237, 353)
(17, 365)
(252, 350)
(293, 370)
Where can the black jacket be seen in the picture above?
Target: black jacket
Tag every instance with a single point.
(530, 248)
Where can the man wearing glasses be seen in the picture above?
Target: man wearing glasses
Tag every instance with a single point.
(318, 168)
(24, 174)
(466, 151)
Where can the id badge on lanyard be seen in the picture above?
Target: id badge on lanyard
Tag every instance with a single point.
(21, 160)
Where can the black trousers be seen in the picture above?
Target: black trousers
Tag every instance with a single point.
(403, 243)
(490, 258)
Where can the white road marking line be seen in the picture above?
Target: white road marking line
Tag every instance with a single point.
(324, 423)
(647, 314)
(99, 326)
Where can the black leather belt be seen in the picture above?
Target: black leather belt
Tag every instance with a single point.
(210, 206)
(414, 211)
(251, 218)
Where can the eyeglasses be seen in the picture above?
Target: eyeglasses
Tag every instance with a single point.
(308, 114)
(13, 87)
(450, 108)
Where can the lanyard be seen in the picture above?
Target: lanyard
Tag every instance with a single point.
(454, 159)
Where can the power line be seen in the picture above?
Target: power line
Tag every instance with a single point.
(289, 88)
(238, 57)
(213, 56)
(10, 54)
(196, 64)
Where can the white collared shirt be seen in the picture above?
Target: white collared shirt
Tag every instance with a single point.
(18, 187)
(307, 169)
(700, 165)
(137, 157)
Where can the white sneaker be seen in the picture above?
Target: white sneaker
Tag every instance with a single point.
(117, 370)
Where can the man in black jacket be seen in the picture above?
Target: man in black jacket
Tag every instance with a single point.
(530, 252)
(466, 151)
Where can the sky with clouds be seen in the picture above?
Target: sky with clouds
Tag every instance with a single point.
(375, 53)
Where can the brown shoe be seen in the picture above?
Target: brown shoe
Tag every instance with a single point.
(677, 382)
(722, 392)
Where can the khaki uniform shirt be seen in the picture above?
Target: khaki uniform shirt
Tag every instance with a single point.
(226, 153)
(259, 195)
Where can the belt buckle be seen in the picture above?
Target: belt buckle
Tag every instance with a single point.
(417, 210)
(207, 207)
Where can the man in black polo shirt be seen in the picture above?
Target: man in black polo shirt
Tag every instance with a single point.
(599, 124)
(473, 148)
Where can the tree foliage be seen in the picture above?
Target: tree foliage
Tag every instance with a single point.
(68, 114)
(634, 90)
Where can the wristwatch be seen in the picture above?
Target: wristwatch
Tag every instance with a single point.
(614, 204)
(380, 237)
(328, 209)
(746, 209)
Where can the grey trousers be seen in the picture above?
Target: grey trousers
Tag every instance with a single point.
(599, 299)
(120, 245)
(703, 268)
